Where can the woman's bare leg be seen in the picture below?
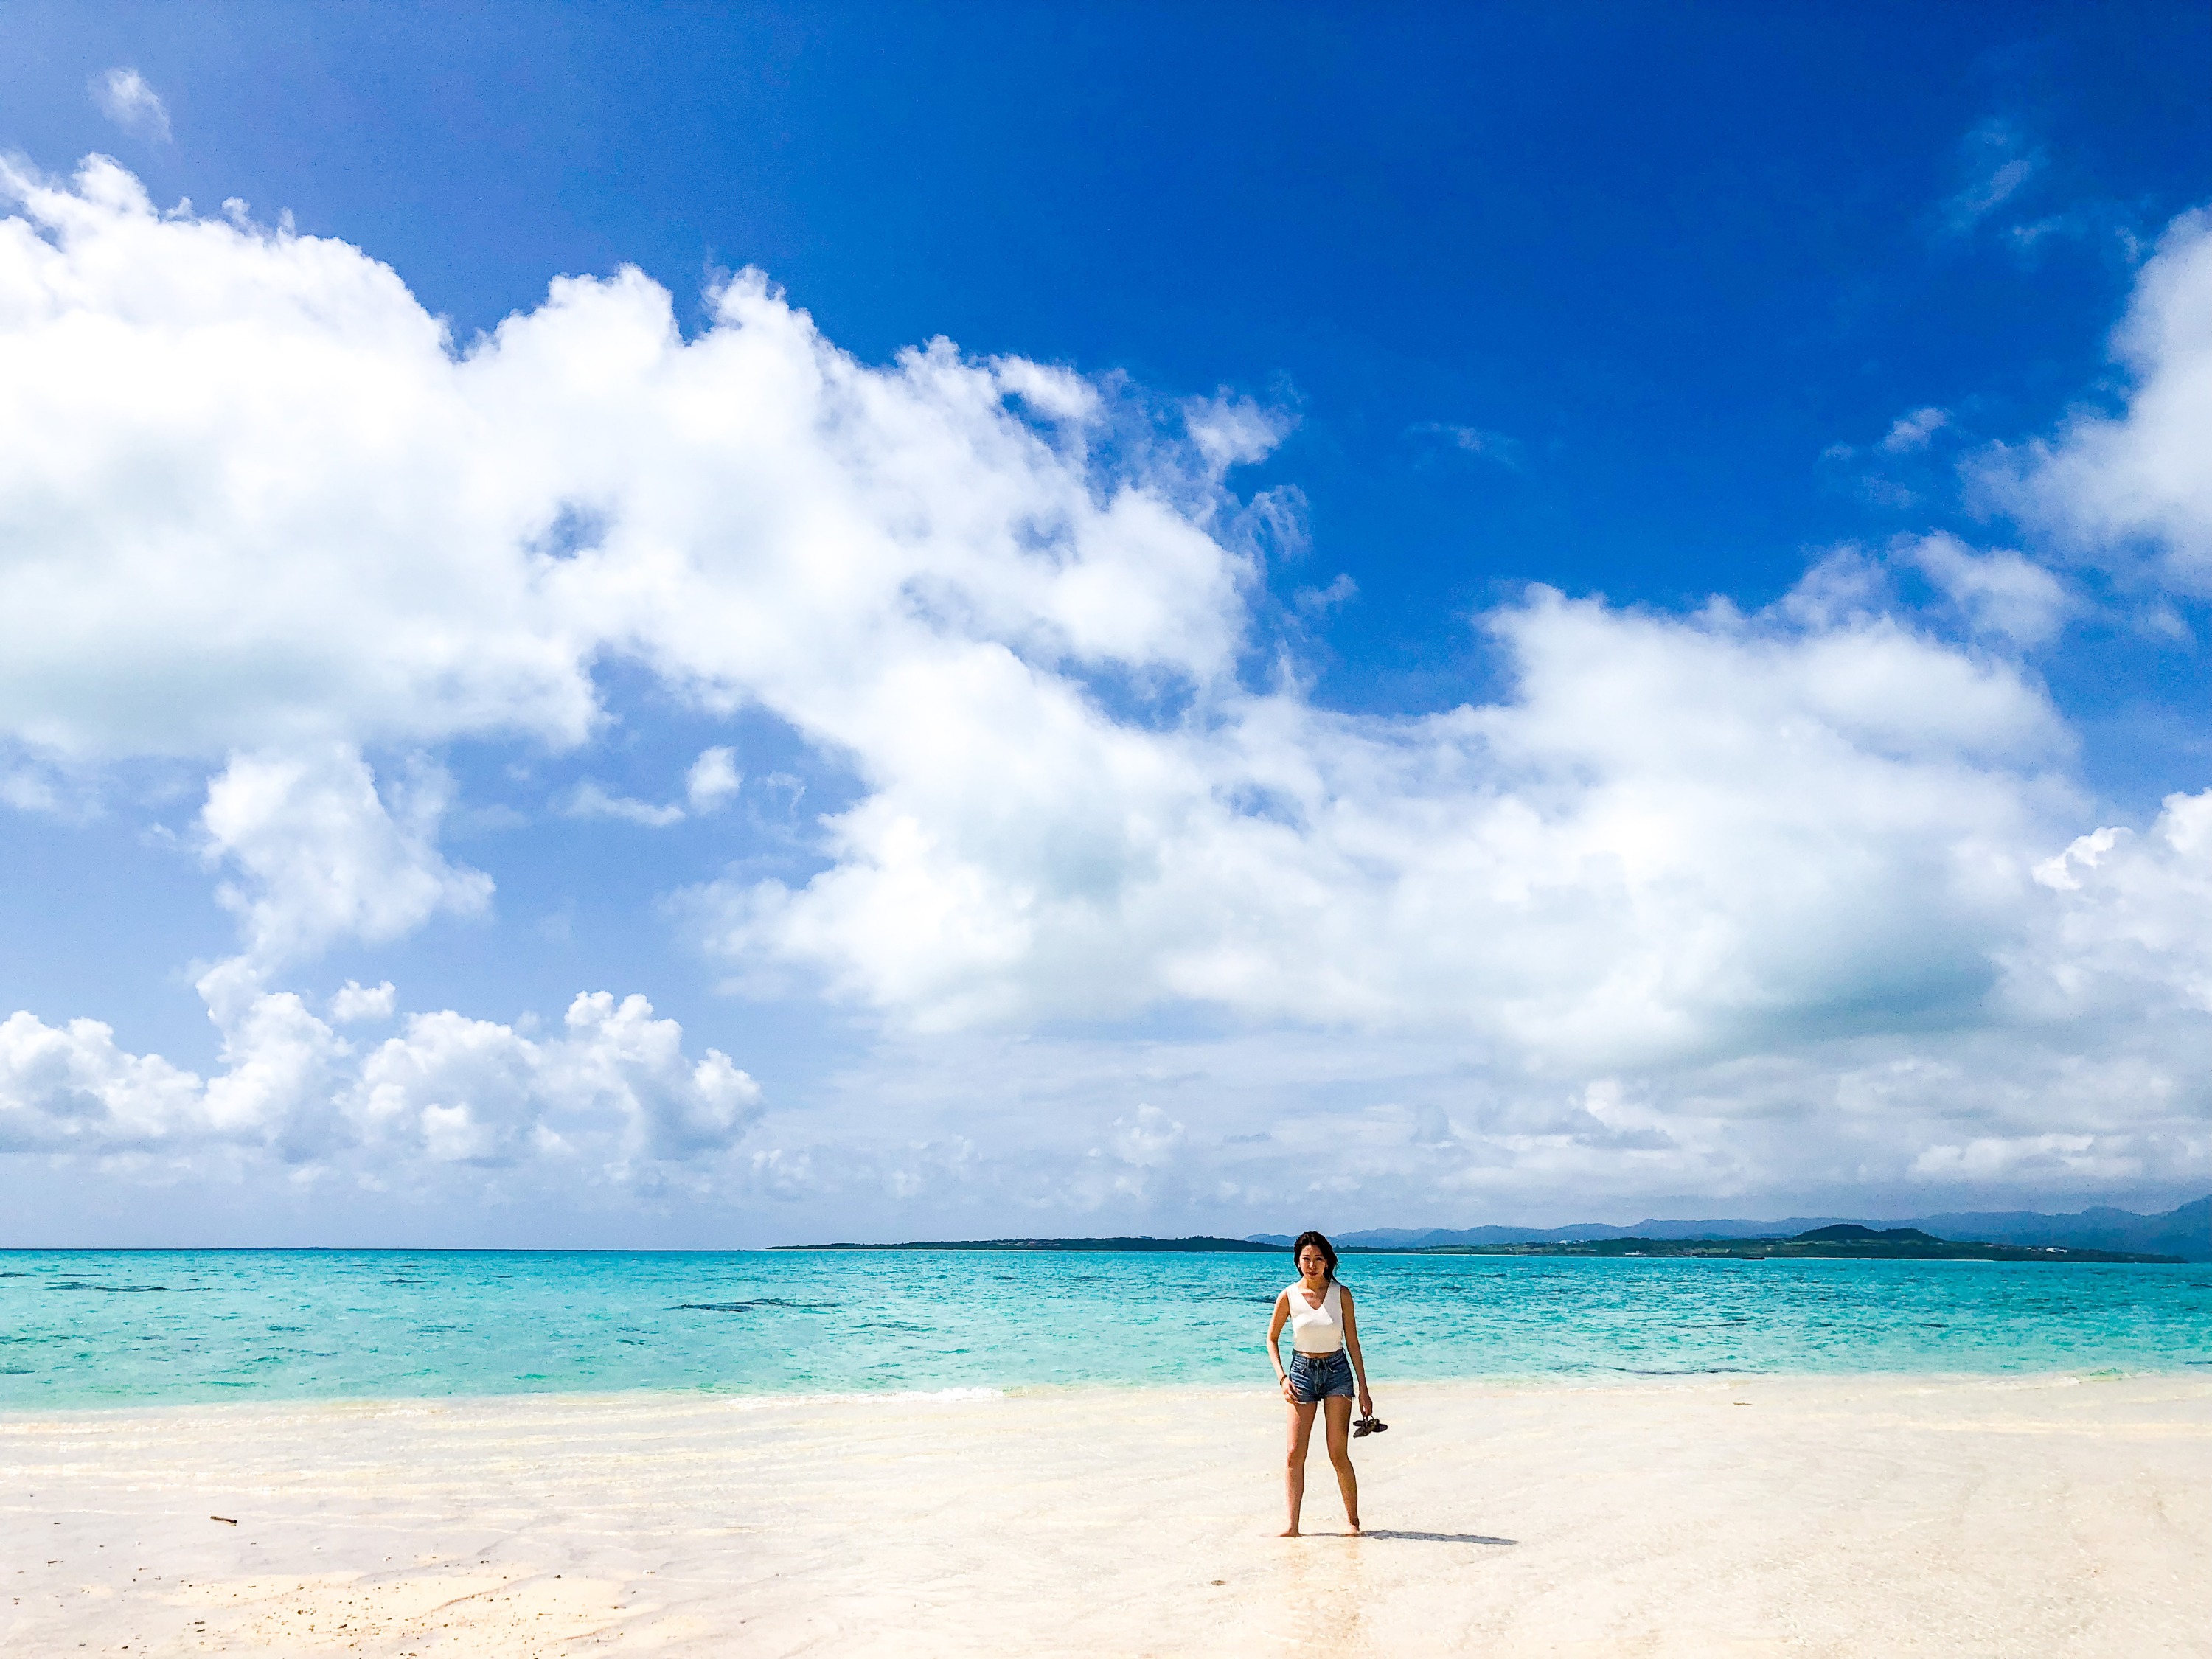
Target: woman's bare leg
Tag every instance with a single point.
(1340, 1453)
(1294, 1467)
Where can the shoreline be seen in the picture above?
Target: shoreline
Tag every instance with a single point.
(2056, 1513)
(1502, 1382)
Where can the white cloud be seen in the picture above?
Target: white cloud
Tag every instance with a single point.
(1317, 601)
(1680, 833)
(353, 1003)
(123, 96)
(2000, 591)
(257, 511)
(2135, 489)
(1992, 1159)
(617, 1087)
(2130, 925)
(1911, 432)
(1844, 587)
(590, 800)
(23, 789)
(1150, 1137)
(1227, 430)
(713, 780)
(244, 464)
(325, 857)
(467, 1091)
(71, 1087)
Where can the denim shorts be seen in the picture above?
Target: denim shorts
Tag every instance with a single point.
(1321, 1377)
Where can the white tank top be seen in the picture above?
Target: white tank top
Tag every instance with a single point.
(1316, 1330)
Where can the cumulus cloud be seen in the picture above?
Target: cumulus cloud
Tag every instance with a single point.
(713, 780)
(216, 473)
(1680, 833)
(617, 1087)
(259, 511)
(2132, 924)
(71, 1087)
(123, 96)
(2131, 489)
(1149, 1138)
(353, 1003)
(325, 857)
(463, 1090)
(2000, 591)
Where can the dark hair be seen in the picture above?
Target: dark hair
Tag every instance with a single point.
(1320, 1242)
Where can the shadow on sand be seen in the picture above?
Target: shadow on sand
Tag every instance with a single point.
(1439, 1537)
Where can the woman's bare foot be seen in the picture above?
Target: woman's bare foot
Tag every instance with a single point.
(1355, 1529)
(1288, 1532)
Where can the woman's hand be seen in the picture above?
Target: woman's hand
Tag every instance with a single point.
(1283, 1381)
(1366, 1401)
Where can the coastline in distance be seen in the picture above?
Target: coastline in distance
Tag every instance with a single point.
(1838, 1240)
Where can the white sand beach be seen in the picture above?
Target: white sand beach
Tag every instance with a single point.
(1735, 1516)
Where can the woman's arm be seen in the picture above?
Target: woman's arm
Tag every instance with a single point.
(1352, 1346)
(1275, 1342)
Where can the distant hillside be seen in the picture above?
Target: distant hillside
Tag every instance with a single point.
(2185, 1232)
(1846, 1240)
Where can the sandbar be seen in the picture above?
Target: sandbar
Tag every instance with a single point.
(2047, 1516)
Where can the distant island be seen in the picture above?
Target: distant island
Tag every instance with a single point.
(2186, 1231)
(1841, 1240)
(1195, 1243)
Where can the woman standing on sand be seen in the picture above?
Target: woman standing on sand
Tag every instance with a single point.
(1324, 1361)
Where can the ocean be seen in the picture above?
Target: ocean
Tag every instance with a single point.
(82, 1328)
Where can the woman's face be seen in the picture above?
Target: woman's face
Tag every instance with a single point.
(1312, 1263)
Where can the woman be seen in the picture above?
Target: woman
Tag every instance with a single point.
(1325, 1359)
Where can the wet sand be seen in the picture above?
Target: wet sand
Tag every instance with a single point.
(2039, 1516)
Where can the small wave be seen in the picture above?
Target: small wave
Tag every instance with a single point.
(747, 1307)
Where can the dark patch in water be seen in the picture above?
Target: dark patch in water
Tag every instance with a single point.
(121, 1290)
(747, 1307)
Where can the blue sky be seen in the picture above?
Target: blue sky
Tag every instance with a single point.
(1803, 311)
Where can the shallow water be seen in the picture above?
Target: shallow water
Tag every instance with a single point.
(109, 1327)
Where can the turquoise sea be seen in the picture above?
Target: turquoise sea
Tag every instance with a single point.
(90, 1329)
